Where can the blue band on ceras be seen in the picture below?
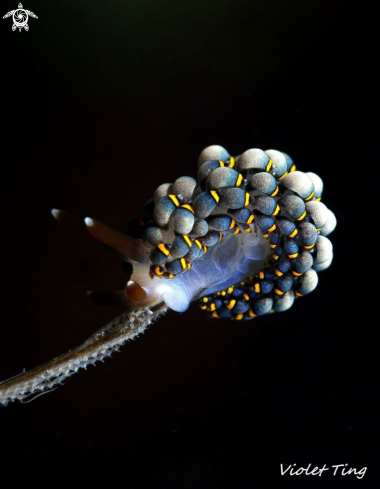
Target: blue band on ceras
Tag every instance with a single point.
(260, 192)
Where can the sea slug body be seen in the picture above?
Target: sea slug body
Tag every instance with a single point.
(246, 237)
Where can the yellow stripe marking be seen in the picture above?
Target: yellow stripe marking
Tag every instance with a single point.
(204, 249)
(279, 292)
(239, 316)
(294, 255)
(215, 196)
(231, 304)
(278, 273)
(283, 176)
(272, 228)
(215, 315)
(163, 249)
(220, 235)
(205, 299)
(310, 196)
(188, 206)
(233, 223)
(298, 294)
(309, 247)
(246, 296)
(198, 243)
(275, 192)
(230, 290)
(221, 163)
(247, 197)
(237, 231)
(261, 275)
(212, 307)
(293, 168)
(257, 287)
(294, 233)
(250, 219)
(318, 199)
(269, 165)
(239, 180)
(251, 313)
(203, 307)
(302, 216)
(183, 263)
(232, 162)
(174, 199)
(296, 274)
(158, 271)
(188, 240)
(276, 211)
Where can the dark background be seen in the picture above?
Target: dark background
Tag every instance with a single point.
(103, 101)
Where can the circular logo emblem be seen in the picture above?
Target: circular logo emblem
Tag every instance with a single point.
(20, 19)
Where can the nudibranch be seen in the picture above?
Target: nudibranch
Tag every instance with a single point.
(246, 237)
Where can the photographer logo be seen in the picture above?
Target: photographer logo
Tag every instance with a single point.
(20, 18)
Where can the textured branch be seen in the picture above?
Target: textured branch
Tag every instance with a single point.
(100, 345)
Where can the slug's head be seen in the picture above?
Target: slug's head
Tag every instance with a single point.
(247, 237)
(140, 290)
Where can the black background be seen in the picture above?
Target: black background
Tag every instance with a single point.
(103, 101)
